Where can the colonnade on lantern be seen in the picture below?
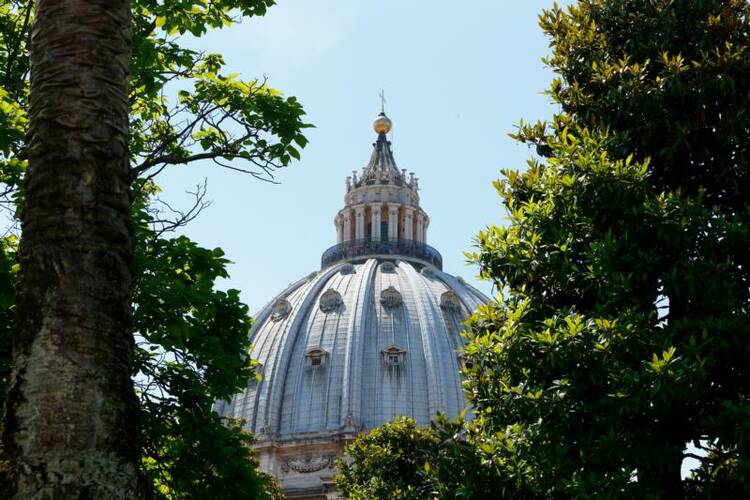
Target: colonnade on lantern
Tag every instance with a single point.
(381, 222)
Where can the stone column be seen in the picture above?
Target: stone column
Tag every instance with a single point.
(375, 211)
(426, 224)
(408, 218)
(392, 222)
(347, 226)
(420, 227)
(359, 223)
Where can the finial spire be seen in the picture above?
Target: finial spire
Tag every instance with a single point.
(382, 101)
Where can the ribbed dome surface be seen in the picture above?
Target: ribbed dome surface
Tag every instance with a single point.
(355, 345)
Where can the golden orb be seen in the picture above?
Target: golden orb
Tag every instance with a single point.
(382, 124)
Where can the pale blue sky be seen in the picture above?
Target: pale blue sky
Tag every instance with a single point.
(457, 76)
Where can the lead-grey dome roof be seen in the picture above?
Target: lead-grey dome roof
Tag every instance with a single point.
(355, 345)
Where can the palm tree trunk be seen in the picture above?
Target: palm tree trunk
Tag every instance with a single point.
(71, 425)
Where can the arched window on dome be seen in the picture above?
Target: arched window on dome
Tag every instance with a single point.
(316, 356)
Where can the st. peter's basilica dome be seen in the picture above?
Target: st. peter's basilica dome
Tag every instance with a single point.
(373, 335)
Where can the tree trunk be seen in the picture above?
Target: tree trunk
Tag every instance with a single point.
(71, 425)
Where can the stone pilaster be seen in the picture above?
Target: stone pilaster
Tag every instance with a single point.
(420, 227)
(376, 222)
(347, 226)
(359, 224)
(408, 219)
(392, 221)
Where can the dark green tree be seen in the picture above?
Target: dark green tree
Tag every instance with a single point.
(620, 345)
(392, 461)
(191, 339)
(403, 460)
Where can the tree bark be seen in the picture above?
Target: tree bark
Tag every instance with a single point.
(71, 424)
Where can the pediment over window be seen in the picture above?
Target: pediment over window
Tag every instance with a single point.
(316, 356)
(330, 301)
(393, 355)
(450, 302)
(281, 309)
(390, 298)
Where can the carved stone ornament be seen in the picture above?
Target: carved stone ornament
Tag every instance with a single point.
(330, 301)
(307, 464)
(390, 298)
(281, 309)
(387, 267)
(347, 269)
(450, 302)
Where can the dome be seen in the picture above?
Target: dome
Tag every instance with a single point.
(354, 346)
(374, 335)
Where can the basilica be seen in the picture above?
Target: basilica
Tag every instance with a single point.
(374, 334)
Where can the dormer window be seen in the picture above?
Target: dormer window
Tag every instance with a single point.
(347, 269)
(449, 301)
(428, 272)
(393, 356)
(390, 298)
(387, 267)
(330, 301)
(316, 357)
(281, 309)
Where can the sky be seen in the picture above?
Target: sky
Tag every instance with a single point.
(457, 76)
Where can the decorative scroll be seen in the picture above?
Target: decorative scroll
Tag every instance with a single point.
(307, 464)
